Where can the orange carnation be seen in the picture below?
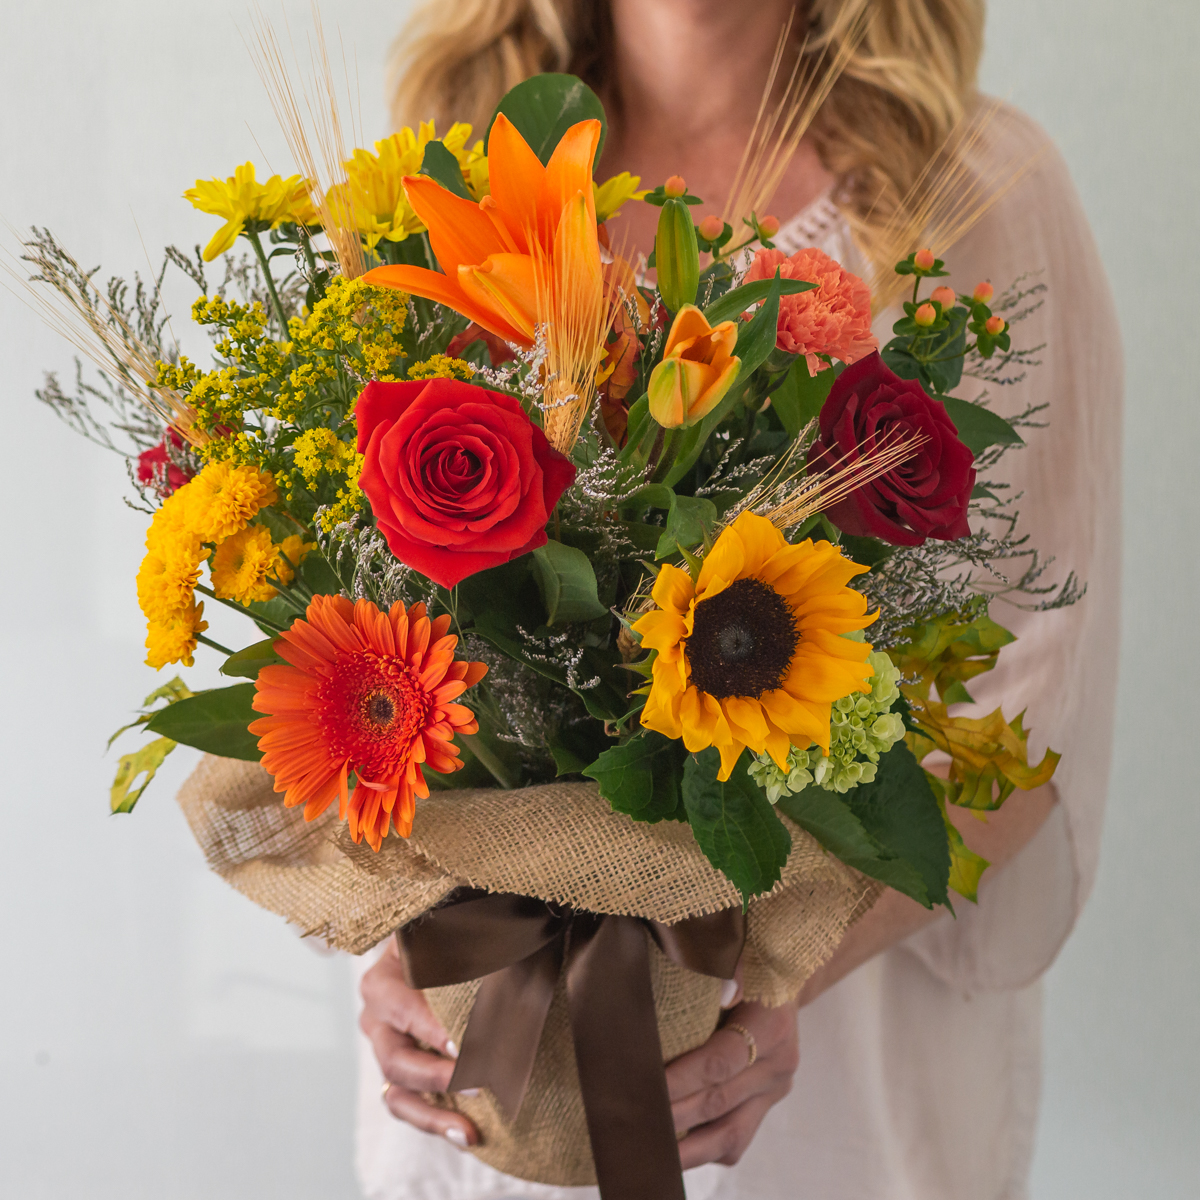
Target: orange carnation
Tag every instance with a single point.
(366, 692)
(834, 318)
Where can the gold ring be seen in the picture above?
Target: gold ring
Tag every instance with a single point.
(383, 1091)
(751, 1044)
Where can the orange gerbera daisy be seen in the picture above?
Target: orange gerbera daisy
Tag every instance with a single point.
(366, 692)
(751, 654)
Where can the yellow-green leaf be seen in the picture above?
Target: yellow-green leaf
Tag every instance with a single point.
(144, 761)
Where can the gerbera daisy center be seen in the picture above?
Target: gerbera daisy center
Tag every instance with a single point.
(742, 642)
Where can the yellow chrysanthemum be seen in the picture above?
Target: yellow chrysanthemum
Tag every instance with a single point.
(441, 366)
(243, 201)
(165, 586)
(244, 564)
(614, 193)
(752, 653)
(174, 640)
(223, 499)
(374, 190)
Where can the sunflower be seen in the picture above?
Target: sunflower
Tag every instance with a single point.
(366, 692)
(751, 653)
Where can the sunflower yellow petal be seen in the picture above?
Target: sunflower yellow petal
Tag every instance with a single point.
(760, 540)
(746, 721)
(672, 589)
(722, 564)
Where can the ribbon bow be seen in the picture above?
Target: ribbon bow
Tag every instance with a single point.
(519, 945)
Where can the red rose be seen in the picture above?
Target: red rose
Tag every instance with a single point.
(459, 478)
(156, 470)
(925, 496)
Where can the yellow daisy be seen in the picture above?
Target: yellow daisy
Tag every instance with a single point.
(750, 655)
(243, 201)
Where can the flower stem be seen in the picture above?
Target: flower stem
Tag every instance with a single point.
(483, 752)
(266, 270)
(258, 617)
(215, 645)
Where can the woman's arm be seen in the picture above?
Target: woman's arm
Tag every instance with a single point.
(719, 1098)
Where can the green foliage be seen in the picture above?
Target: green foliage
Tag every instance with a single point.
(890, 829)
(214, 722)
(734, 824)
(677, 255)
(142, 762)
(567, 583)
(643, 777)
(966, 867)
(733, 303)
(545, 106)
(799, 398)
(247, 663)
(442, 167)
(979, 427)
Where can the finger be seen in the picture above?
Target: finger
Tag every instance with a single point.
(731, 989)
(725, 1140)
(710, 1104)
(714, 1063)
(403, 1064)
(387, 998)
(407, 1106)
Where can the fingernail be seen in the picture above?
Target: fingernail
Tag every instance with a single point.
(469, 1092)
(456, 1135)
(729, 990)
(451, 1048)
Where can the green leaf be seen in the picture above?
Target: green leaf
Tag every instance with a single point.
(567, 583)
(172, 690)
(247, 663)
(757, 338)
(642, 777)
(731, 305)
(828, 818)
(214, 722)
(899, 810)
(799, 398)
(442, 167)
(966, 867)
(979, 427)
(691, 517)
(144, 761)
(734, 824)
(545, 106)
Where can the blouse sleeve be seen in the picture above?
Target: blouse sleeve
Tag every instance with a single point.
(1062, 668)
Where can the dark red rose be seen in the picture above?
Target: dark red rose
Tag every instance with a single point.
(155, 469)
(925, 496)
(459, 478)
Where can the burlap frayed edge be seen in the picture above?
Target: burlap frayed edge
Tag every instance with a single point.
(560, 842)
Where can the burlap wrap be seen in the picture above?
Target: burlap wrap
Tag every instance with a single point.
(559, 842)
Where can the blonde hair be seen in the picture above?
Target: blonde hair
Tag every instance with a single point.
(908, 79)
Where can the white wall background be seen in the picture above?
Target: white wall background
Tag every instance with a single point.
(161, 1039)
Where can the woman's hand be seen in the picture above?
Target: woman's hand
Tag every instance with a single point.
(719, 1097)
(393, 1017)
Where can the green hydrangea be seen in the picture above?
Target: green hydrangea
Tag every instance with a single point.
(862, 728)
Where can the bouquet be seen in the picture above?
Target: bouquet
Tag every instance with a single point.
(606, 626)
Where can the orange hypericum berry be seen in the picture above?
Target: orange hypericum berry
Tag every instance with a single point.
(983, 292)
(675, 186)
(995, 325)
(944, 296)
(768, 227)
(925, 315)
(924, 259)
(711, 228)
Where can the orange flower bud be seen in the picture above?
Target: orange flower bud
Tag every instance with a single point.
(768, 227)
(995, 325)
(697, 370)
(944, 296)
(925, 315)
(675, 186)
(924, 259)
(983, 292)
(711, 228)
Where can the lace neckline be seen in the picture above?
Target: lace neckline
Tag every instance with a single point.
(810, 224)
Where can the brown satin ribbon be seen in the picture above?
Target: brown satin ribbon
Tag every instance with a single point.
(519, 945)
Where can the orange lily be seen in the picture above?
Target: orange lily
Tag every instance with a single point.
(522, 255)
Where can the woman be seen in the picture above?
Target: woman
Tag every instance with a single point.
(909, 1065)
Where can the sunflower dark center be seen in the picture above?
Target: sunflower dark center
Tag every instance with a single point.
(743, 640)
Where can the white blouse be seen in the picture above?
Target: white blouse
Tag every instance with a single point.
(920, 1071)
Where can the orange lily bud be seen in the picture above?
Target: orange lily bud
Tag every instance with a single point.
(924, 259)
(697, 370)
(711, 228)
(944, 296)
(768, 227)
(925, 315)
(995, 325)
(675, 186)
(983, 292)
